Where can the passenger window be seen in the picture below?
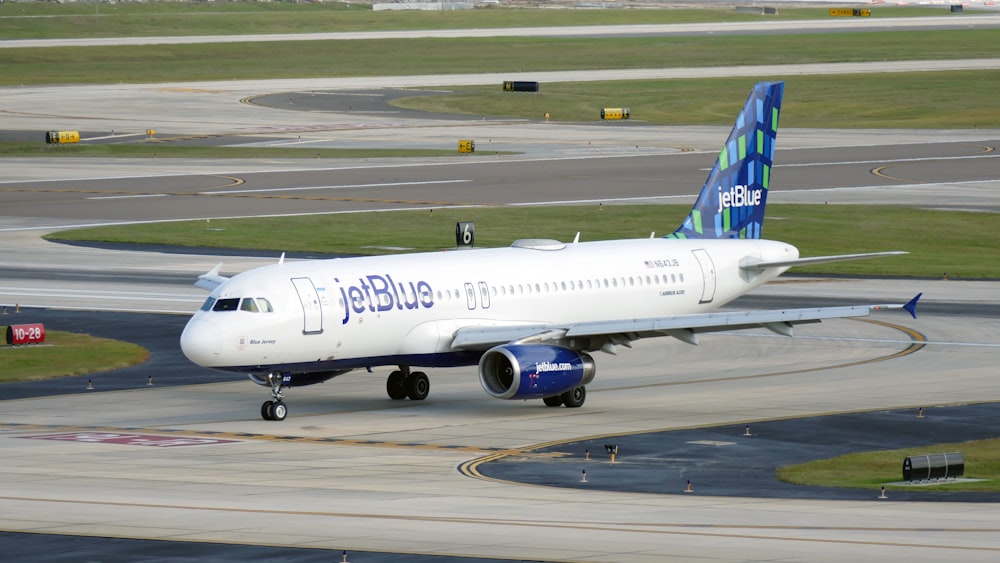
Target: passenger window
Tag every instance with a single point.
(227, 304)
(249, 305)
(207, 305)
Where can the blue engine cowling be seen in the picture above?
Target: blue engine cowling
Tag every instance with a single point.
(525, 371)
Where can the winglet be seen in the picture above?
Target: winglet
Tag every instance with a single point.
(211, 279)
(911, 305)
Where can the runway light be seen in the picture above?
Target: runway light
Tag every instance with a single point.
(90, 385)
(747, 431)
(689, 489)
(612, 449)
(883, 493)
(583, 476)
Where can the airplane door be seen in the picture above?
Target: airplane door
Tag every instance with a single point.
(312, 311)
(707, 275)
(470, 295)
(484, 294)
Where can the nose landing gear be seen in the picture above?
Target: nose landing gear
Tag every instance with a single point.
(276, 409)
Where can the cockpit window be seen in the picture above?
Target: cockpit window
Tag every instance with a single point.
(227, 304)
(248, 304)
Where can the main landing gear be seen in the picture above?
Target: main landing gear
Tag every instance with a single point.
(276, 409)
(402, 384)
(571, 399)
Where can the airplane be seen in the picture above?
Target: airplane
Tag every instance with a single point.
(529, 315)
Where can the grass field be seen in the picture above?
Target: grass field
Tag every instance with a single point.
(389, 57)
(899, 100)
(37, 20)
(65, 353)
(929, 236)
(873, 469)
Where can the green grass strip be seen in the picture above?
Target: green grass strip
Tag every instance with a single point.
(899, 100)
(873, 469)
(66, 353)
(931, 237)
(390, 57)
(42, 20)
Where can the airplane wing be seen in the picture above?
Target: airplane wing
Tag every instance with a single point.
(682, 327)
(211, 279)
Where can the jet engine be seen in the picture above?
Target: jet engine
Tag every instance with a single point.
(525, 371)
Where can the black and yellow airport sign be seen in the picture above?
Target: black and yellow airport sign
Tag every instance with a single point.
(615, 113)
(61, 137)
(850, 12)
(466, 146)
(520, 86)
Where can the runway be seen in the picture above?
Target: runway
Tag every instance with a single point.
(351, 470)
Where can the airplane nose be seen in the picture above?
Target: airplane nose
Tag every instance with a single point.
(201, 342)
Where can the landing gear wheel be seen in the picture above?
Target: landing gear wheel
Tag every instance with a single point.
(417, 386)
(267, 410)
(394, 386)
(575, 397)
(554, 401)
(279, 411)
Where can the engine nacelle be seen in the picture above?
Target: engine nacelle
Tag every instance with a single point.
(525, 371)
(298, 379)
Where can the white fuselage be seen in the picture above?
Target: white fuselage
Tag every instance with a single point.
(404, 309)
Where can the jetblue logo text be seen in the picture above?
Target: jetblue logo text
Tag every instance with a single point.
(542, 367)
(377, 293)
(738, 196)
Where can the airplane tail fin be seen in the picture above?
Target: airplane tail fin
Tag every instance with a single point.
(731, 204)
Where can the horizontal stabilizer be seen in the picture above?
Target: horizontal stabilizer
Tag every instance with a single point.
(816, 260)
(211, 279)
